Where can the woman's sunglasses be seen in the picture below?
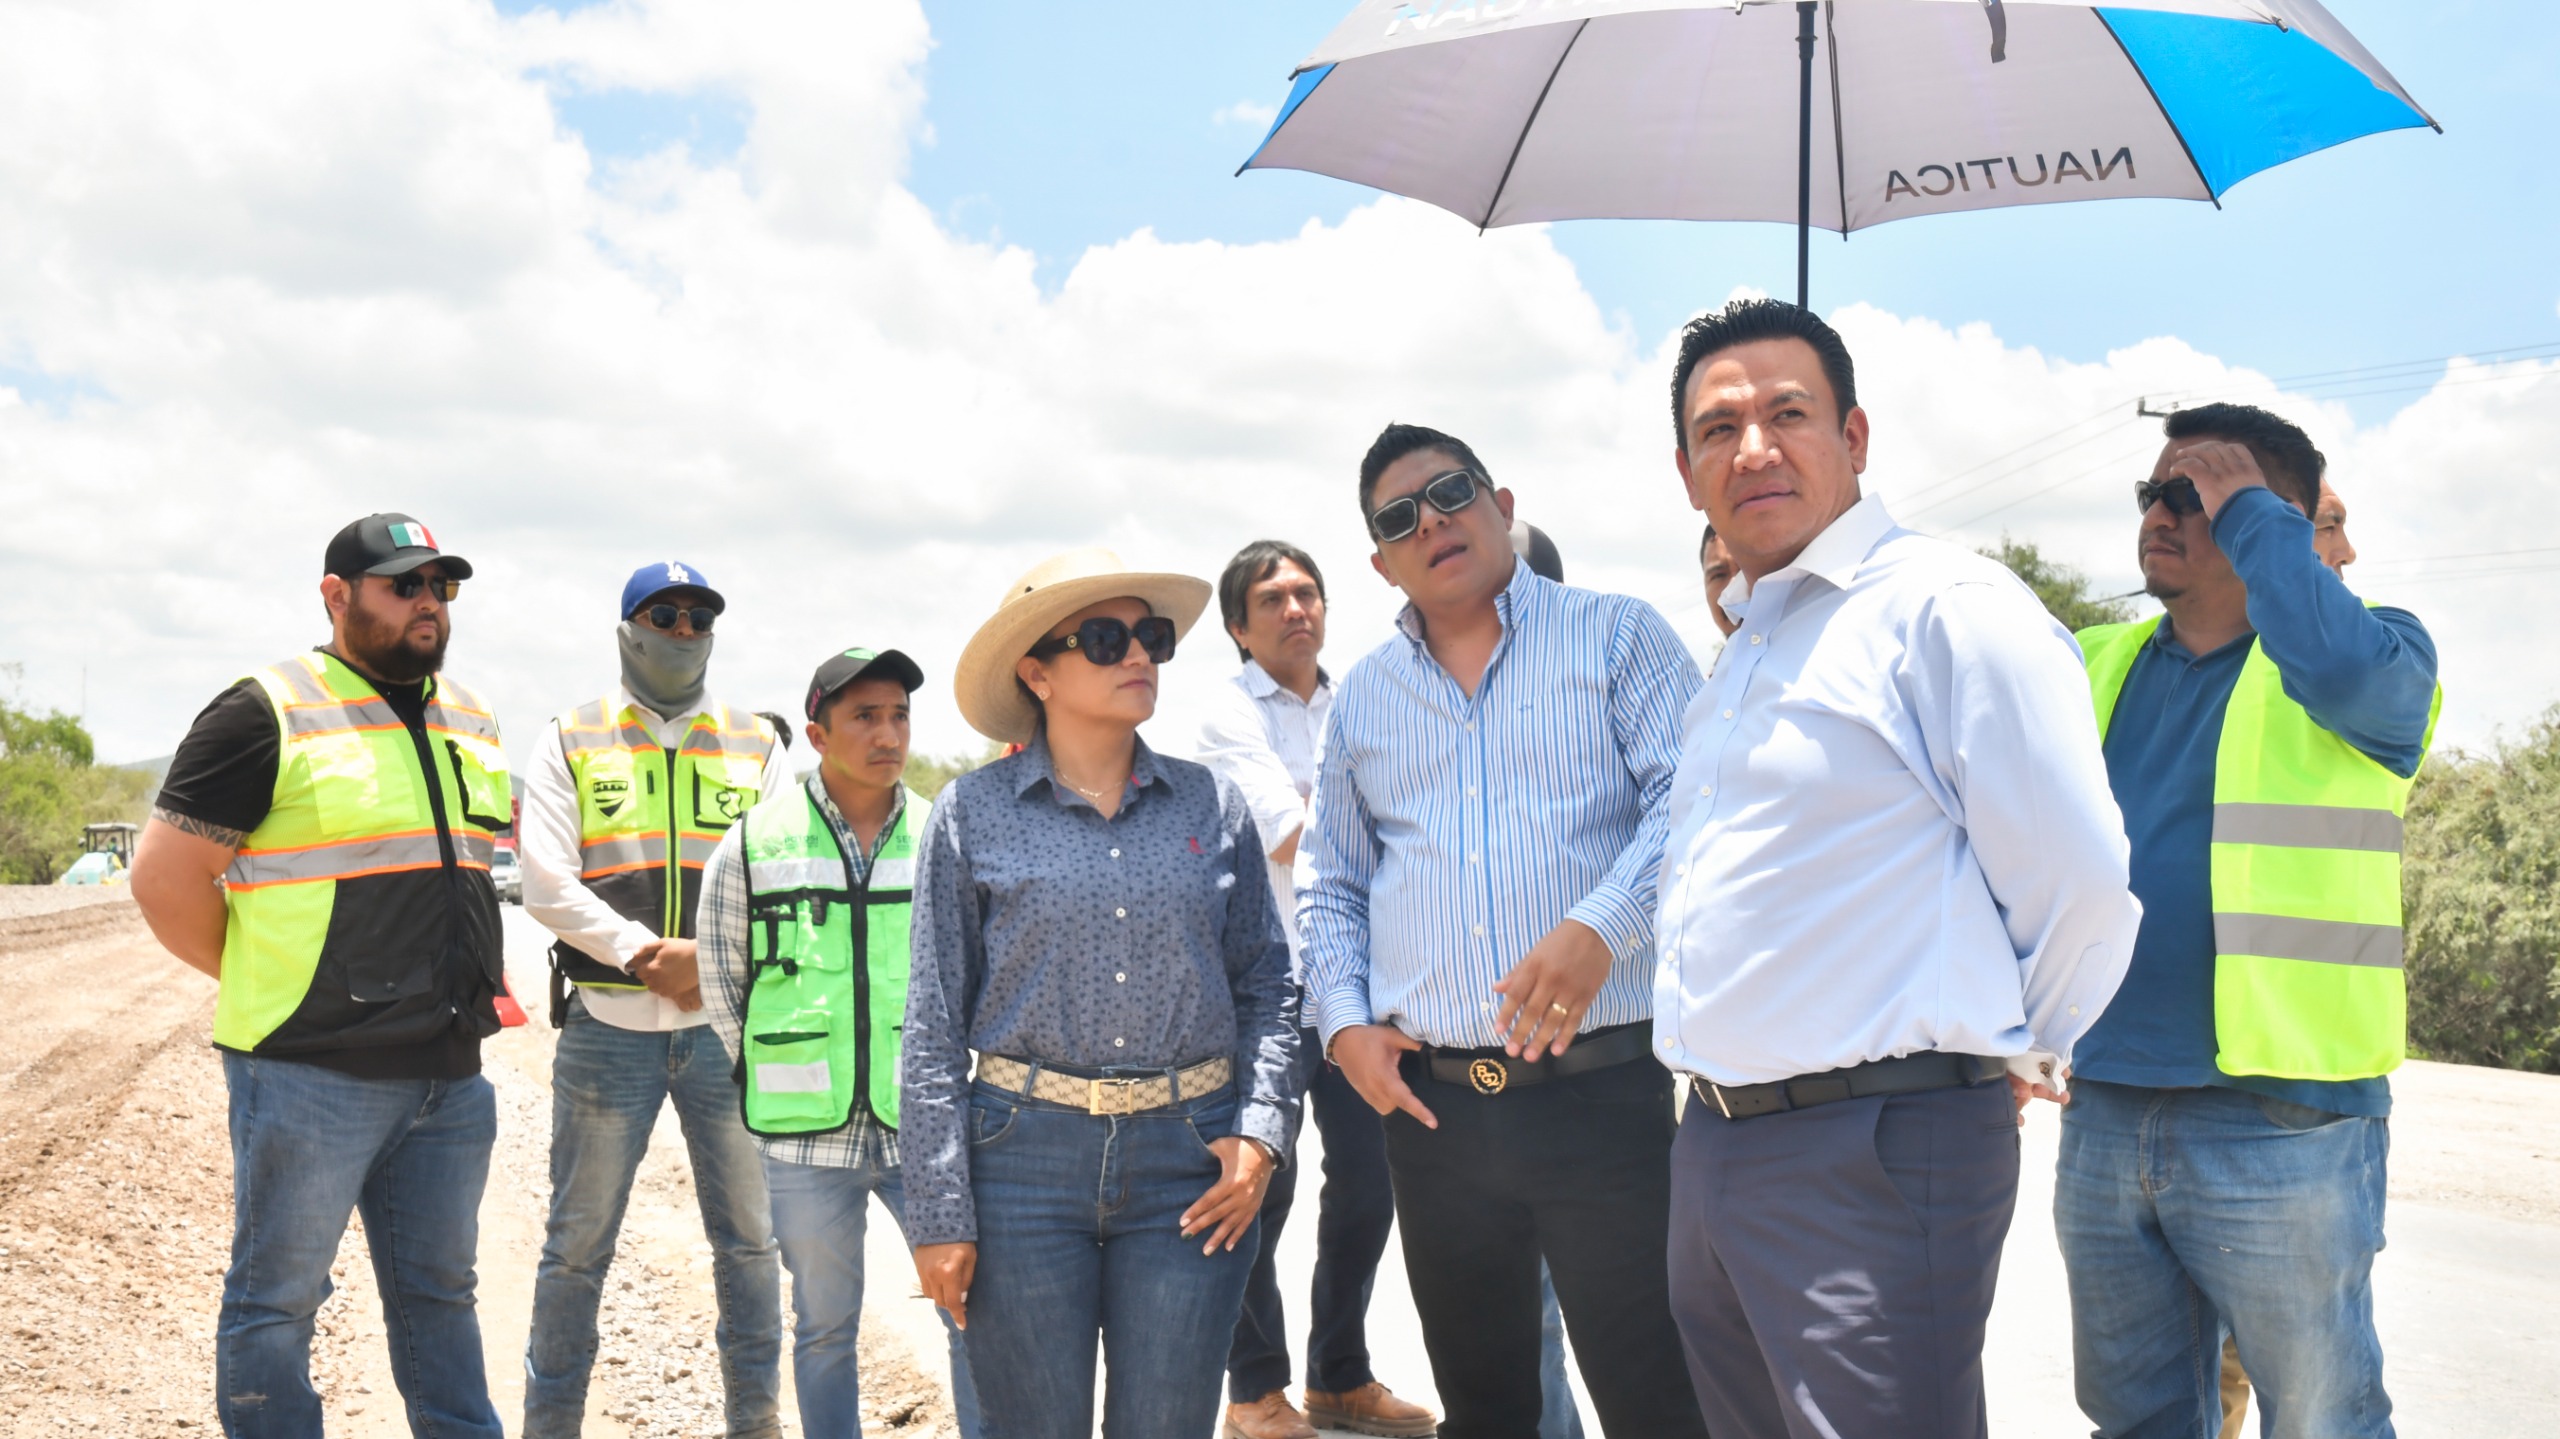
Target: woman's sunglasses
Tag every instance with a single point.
(1105, 641)
(2180, 493)
(1448, 493)
(664, 617)
(407, 586)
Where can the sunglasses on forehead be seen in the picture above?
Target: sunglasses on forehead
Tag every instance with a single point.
(407, 586)
(1449, 492)
(2180, 494)
(1105, 640)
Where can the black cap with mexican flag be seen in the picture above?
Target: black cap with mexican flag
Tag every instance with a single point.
(388, 544)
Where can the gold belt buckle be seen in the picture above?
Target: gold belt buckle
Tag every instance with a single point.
(1122, 1096)
(1488, 1076)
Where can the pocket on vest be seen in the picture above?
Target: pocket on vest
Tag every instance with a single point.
(788, 1067)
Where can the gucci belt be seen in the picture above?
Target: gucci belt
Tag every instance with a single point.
(1132, 1095)
(1490, 1071)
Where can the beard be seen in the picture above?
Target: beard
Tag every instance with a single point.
(383, 648)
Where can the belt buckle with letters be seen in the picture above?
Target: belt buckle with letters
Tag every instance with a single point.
(1488, 1076)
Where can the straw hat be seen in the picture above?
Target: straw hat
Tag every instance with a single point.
(1032, 605)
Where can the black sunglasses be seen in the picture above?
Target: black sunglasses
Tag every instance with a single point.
(664, 617)
(2180, 493)
(1105, 641)
(407, 586)
(1448, 492)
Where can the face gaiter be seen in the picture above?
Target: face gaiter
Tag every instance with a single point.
(663, 672)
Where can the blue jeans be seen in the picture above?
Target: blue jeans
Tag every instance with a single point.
(607, 1085)
(1078, 1236)
(1558, 1418)
(308, 1145)
(2186, 1212)
(819, 1214)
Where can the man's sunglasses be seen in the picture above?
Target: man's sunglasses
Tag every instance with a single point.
(1448, 492)
(1105, 641)
(407, 586)
(2180, 493)
(664, 617)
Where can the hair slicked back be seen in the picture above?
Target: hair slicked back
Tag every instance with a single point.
(1743, 322)
(2292, 464)
(1399, 440)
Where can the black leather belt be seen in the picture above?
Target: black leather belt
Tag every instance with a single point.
(1910, 1074)
(1490, 1071)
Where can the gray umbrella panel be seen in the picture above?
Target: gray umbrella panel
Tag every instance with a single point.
(1654, 109)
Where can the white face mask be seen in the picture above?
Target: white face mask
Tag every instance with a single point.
(663, 672)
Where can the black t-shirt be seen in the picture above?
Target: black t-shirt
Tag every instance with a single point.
(224, 773)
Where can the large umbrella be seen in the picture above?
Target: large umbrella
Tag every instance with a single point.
(1516, 111)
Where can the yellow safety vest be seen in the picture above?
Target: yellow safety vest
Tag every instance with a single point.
(361, 911)
(2307, 977)
(641, 805)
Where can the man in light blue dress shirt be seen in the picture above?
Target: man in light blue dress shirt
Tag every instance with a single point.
(1478, 946)
(1895, 875)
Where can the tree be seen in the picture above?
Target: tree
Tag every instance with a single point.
(49, 788)
(2064, 590)
(928, 773)
(2482, 913)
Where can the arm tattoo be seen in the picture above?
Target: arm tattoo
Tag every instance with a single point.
(201, 829)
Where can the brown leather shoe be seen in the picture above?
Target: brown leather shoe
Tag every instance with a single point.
(1270, 1417)
(1371, 1409)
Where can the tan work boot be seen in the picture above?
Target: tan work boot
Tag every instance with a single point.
(1269, 1417)
(1371, 1409)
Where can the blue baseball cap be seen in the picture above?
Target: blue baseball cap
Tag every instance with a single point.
(652, 580)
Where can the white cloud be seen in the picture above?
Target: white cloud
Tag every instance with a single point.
(299, 262)
(1250, 114)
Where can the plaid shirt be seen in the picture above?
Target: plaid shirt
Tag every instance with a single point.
(721, 931)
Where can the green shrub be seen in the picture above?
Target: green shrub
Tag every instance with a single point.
(2064, 590)
(49, 788)
(2483, 917)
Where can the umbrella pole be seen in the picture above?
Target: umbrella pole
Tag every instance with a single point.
(1804, 153)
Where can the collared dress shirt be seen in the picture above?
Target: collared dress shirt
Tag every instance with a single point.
(1266, 739)
(1891, 830)
(1045, 932)
(1451, 833)
(720, 928)
(559, 901)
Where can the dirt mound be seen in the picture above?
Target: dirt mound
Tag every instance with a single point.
(41, 916)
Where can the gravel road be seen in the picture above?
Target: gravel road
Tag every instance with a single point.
(115, 1224)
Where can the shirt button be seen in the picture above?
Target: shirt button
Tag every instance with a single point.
(2075, 1011)
(1121, 978)
(1469, 726)
(1728, 714)
(1115, 854)
(1119, 914)
(1119, 1043)
(1474, 858)
(1471, 791)
(1755, 639)
(1479, 931)
(1705, 790)
(1680, 869)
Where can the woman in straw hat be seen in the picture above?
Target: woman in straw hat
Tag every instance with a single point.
(1096, 921)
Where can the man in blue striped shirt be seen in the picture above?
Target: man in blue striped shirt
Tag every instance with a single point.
(1479, 945)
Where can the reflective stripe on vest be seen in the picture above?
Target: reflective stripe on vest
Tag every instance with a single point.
(2307, 833)
(351, 803)
(827, 968)
(636, 812)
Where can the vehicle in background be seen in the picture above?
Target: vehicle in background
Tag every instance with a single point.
(107, 852)
(508, 876)
(98, 866)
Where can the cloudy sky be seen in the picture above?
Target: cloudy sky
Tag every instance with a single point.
(862, 309)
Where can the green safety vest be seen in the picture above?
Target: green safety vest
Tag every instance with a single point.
(826, 969)
(2307, 977)
(360, 909)
(642, 805)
